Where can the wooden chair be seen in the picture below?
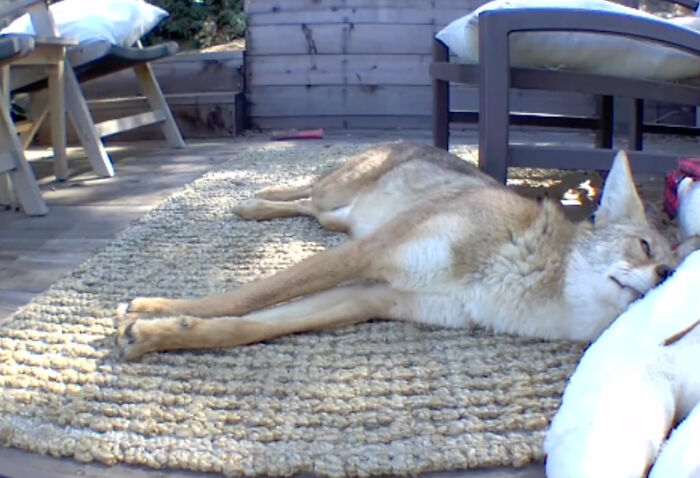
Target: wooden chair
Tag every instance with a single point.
(46, 50)
(93, 60)
(494, 78)
(87, 61)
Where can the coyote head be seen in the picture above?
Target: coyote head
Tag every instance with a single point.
(619, 258)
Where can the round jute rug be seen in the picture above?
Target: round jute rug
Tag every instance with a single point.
(377, 398)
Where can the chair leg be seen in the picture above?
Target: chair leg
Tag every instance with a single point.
(604, 135)
(7, 193)
(85, 127)
(58, 119)
(494, 85)
(441, 101)
(441, 106)
(636, 125)
(154, 95)
(21, 175)
(38, 110)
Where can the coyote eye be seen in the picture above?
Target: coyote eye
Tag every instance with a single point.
(645, 247)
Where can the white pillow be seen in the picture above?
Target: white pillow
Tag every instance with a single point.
(590, 52)
(120, 22)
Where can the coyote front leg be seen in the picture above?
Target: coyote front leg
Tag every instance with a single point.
(319, 272)
(340, 306)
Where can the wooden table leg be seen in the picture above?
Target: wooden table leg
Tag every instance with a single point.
(7, 196)
(58, 116)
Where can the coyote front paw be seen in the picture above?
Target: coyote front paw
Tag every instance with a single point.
(137, 336)
(133, 342)
(154, 306)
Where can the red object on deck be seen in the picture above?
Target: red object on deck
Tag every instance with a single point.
(298, 134)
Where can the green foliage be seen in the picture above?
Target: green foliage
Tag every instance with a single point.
(199, 23)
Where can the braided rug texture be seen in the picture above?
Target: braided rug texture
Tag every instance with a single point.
(371, 399)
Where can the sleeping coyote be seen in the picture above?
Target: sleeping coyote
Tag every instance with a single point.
(433, 240)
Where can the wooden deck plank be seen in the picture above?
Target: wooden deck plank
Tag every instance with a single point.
(36, 275)
(86, 212)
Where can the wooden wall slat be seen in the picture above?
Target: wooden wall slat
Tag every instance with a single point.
(358, 15)
(344, 122)
(350, 100)
(253, 7)
(339, 38)
(337, 70)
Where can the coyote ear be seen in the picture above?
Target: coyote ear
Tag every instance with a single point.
(620, 201)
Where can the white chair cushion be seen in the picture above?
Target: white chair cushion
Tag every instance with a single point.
(589, 52)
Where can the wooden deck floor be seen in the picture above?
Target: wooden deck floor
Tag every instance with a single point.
(87, 213)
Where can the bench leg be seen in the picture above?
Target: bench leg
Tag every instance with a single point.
(441, 106)
(441, 101)
(494, 109)
(604, 135)
(154, 95)
(636, 124)
(85, 127)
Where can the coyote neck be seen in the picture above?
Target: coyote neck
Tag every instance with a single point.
(521, 287)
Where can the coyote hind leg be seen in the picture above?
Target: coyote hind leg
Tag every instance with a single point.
(322, 271)
(340, 306)
(285, 193)
(262, 209)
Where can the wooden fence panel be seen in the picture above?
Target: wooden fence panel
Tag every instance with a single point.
(357, 122)
(255, 7)
(350, 100)
(337, 70)
(354, 63)
(339, 38)
(359, 15)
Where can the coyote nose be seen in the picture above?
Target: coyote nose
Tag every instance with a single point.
(663, 271)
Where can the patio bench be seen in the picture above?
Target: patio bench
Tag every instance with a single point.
(495, 77)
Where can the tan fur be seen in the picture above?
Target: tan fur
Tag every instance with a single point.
(434, 240)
